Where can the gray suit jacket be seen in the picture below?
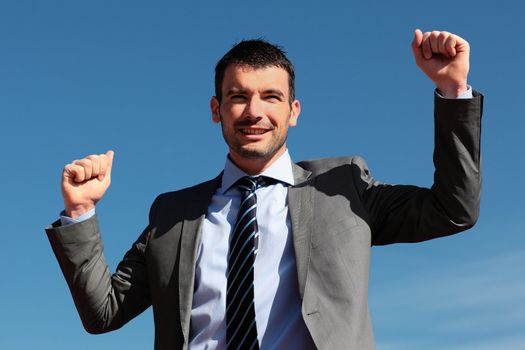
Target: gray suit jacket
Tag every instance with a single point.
(338, 211)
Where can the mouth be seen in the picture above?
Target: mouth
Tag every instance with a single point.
(253, 131)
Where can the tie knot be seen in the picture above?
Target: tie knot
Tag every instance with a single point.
(251, 183)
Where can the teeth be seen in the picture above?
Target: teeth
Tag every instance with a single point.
(254, 131)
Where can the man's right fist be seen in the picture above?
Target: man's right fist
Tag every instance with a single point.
(85, 181)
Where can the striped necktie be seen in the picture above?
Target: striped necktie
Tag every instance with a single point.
(241, 330)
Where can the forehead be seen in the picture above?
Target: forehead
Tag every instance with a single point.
(256, 79)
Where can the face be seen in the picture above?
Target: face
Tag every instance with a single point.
(255, 113)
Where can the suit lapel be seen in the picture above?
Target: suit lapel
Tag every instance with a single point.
(197, 205)
(300, 203)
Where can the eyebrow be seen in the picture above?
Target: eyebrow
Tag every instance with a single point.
(235, 90)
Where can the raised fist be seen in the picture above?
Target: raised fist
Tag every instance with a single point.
(85, 181)
(444, 58)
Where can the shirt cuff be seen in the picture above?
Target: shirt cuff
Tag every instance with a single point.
(464, 95)
(66, 220)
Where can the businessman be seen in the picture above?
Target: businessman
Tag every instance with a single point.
(271, 254)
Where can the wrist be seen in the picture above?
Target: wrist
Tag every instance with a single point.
(78, 210)
(452, 90)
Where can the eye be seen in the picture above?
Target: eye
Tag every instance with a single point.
(238, 98)
(273, 98)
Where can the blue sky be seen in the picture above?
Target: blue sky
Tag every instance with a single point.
(83, 77)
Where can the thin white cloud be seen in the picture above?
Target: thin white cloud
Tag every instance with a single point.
(480, 305)
(512, 342)
(488, 282)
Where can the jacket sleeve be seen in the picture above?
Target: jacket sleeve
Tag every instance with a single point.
(104, 301)
(399, 213)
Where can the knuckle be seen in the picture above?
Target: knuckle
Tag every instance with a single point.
(72, 169)
(92, 158)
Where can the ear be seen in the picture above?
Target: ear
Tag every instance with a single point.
(294, 114)
(215, 110)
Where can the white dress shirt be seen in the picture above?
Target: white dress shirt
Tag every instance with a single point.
(276, 293)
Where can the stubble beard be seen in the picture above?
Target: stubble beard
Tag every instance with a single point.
(254, 152)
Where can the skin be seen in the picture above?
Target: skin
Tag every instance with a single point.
(444, 58)
(255, 114)
(85, 181)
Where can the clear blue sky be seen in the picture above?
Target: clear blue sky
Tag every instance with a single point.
(80, 77)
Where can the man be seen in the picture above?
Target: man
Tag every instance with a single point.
(301, 281)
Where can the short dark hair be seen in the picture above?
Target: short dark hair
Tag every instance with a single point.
(256, 54)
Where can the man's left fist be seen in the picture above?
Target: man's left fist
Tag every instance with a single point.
(444, 58)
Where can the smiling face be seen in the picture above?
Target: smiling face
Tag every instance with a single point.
(255, 113)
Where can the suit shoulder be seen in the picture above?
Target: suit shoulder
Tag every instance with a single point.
(188, 193)
(322, 165)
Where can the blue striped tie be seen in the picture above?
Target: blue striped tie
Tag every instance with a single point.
(241, 330)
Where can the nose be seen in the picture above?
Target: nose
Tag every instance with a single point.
(254, 109)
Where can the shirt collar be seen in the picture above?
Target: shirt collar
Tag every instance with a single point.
(280, 170)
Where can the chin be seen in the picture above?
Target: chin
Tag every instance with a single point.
(251, 153)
